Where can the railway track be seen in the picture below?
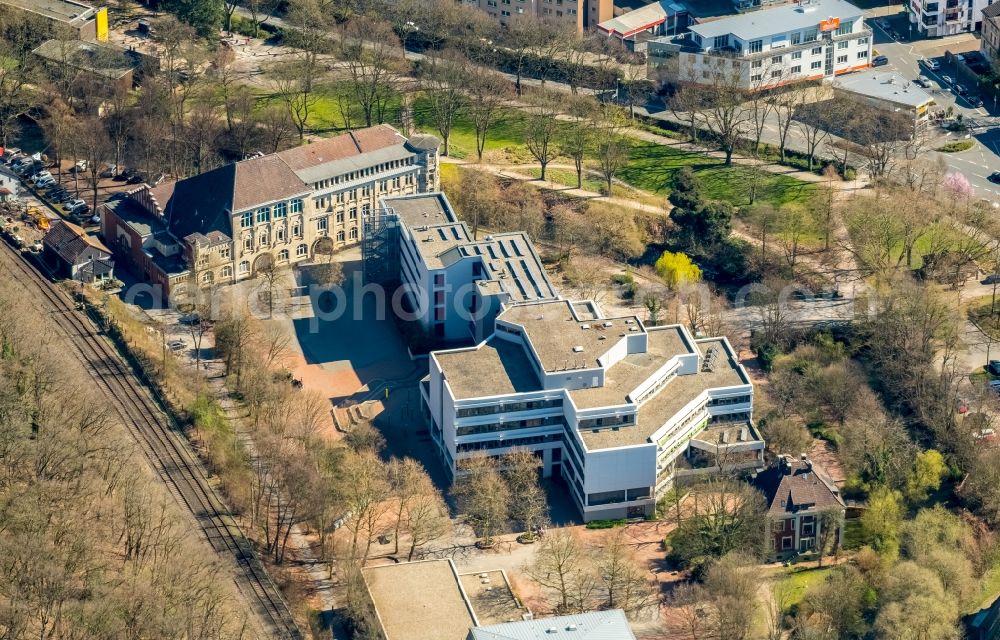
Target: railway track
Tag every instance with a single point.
(165, 447)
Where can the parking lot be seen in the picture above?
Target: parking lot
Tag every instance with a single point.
(905, 49)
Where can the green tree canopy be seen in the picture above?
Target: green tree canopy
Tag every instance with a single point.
(677, 269)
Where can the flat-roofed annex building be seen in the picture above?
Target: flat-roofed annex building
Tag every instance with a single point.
(616, 409)
(455, 284)
(65, 17)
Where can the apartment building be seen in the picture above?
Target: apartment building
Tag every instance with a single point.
(579, 15)
(946, 17)
(231, 223)
(811, 40)
(990, 44)
(617, 410)
(798, 492)
(454, 284)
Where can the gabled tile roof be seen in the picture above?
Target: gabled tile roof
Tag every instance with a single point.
(69, 241)
(992, 11)
(205, 203)
(791, 485)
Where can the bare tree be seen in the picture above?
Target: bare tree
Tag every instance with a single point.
(443, 77)
(528, 505)
(483, 496)
(488, 93)
(612, 147)
(365, 492)
(562, 568)
(373, 57)
(540, 131)
(724, 109)
(622, 582)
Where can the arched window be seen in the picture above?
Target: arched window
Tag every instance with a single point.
(207, 277)
(301, 250)
(227, 272)
(340, 236)
(283, 254)
(244, 267)
(354, 233)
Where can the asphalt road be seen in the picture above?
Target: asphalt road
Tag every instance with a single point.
(904, 55)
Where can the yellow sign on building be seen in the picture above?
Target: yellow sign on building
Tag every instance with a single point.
(102, 24)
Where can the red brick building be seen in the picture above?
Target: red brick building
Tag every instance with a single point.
(798, 495)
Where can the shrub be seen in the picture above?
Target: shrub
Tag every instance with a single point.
(956, 146)
(606, 524)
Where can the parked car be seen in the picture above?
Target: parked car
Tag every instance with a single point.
(136, 178)
(156, 180)
(994, 367)
(947, 79)
(879, 61)
(994, 177)
(922, 81)
(109, 171)
(81, 210)
(931, 64)
(45, 183)
(73, 204)
(191, 318)
(95, 219)
(960, 89)
(176, 345)
(79, 167)
(974, 100)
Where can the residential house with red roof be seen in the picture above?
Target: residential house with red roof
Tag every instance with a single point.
(798, 494)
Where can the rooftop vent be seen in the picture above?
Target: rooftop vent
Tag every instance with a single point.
(608, 323)
(633, 328)
(552, 630)
(602, 337)
(571, 627)
(711, 359)
(584, 326)
(630, 322)
(489, 238)
(578, 349)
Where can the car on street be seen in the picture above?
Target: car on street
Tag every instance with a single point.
(960, 89)
(931, 64)
(80, 210)
(176, 345)
(879, 61)
(922, 81)
(994, 367)
(994, 177)
(45, 183)
(73, 204)
(975, 101)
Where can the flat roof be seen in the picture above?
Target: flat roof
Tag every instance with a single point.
(593, 625)
(492, 598)
(131, 213)
(68, 11)
(890, 87)
(669, 400)
(421, 600)
(110, 62)
(560, 339)
(727, 434)
(781, 19)
(642, 18)
(511, 261)
(496, 367)
(625, 375)
(422, 209)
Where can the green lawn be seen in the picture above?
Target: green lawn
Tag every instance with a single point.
(567, 177)
(651, 167)
(796, 582)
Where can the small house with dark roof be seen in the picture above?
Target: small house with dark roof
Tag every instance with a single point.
(798, 492)
(280, 209)
(75, 254)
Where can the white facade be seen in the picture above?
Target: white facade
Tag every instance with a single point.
(946, 17)
(769, 47)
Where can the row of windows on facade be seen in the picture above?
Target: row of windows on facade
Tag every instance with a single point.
(781, 39)
(797, 55)
(279, 236)
(862, 55)
(365, 192)
(364, 173)
(244, 265)
(277, 211)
